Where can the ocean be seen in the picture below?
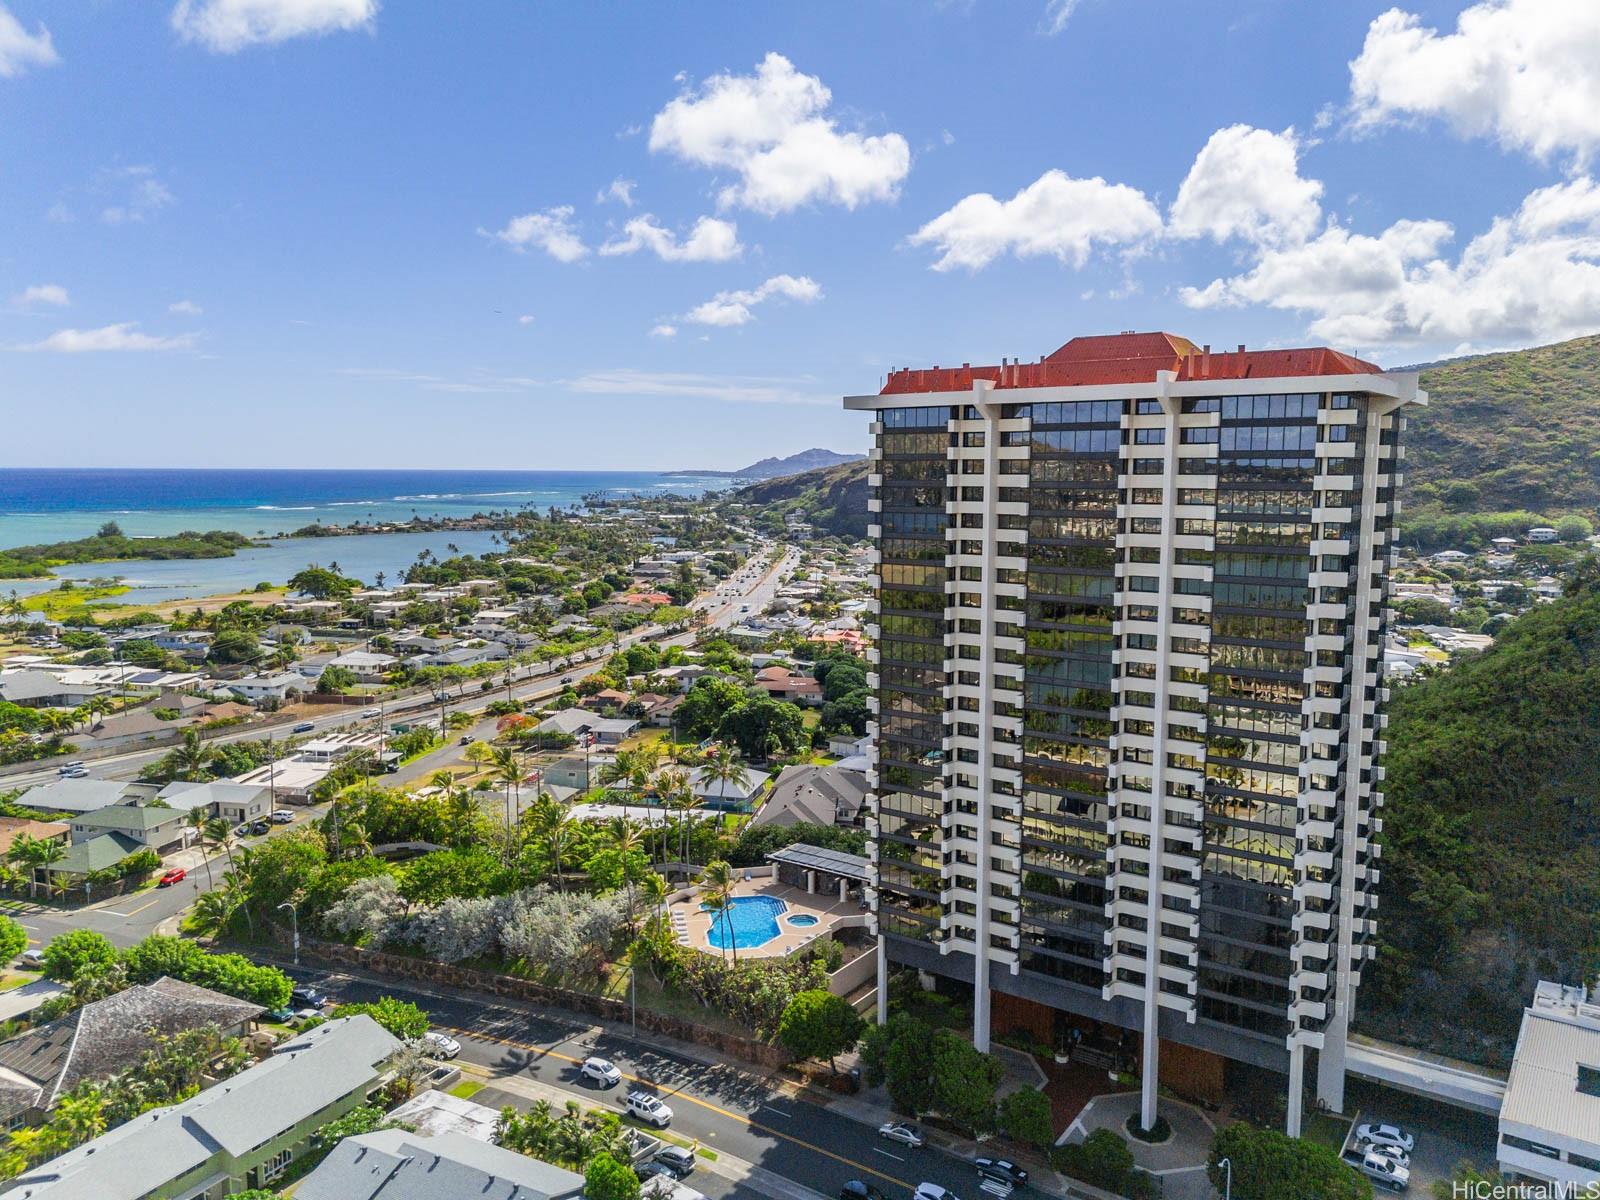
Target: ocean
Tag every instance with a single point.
(51, 505)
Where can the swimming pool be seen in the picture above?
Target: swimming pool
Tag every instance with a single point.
(747, 922)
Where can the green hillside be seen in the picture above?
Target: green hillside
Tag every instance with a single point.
(1491, 862)
(834, 499)
(1504, 433)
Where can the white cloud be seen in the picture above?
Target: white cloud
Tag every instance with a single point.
(664, 331)
(227, 26)
(143, 194)
(711, 240)
(734, 389)
(619, 189)
(772, 129)
(550, 231)
(733, 308)
(1533, 276)
(41, 294)
(1525, 72)
(20, 49)
(125, 336)
(185, 308)
(475, 382)
(1055, 214)
(1057, 13)
(1246, 183)
(525, 319)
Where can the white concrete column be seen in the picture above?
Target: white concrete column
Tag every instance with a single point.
(883, 982)
(1297, 1075)
(1330, 1062)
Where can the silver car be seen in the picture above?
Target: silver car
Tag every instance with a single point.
(899, 1131)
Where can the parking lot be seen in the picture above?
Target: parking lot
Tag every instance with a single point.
(1445, 1135)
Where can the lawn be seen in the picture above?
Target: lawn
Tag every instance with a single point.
(467, 1089)
(61, 603)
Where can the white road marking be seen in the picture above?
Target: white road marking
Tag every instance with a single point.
(886, 1154)
(779, 1111)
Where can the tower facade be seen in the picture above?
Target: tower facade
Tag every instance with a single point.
(1130, 603)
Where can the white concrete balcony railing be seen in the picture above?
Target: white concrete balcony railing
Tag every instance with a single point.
(874, 479)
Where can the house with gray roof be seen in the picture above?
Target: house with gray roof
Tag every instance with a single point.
(105, 1038)
(241, 1133)
(159, 828)
(79, 795)
(607, 731)
(395, 1164)
(233, 802)
(814, 795)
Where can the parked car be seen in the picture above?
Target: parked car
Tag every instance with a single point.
(676, 1159)
(654, 1170)
(303, 727)
(307, 996)
(1388, 1151)
(308, 1013)
(1386, 1135)
(1001, 1168)
(1385, 1172)
(32, 958)
(281, 1016)
(856, 1190)
(602, 1070)
(175, 875)
(466, 740)
(648, 1108)
(899, 1131)
(242, 828)
(932, 1191)
(260, 827)
(439, 1045)
(280, 816)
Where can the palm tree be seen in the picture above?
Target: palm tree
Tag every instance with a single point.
(723, 769)
(718, 880)
(625, 836)
(196, 820)
(45, 853)
(192, 757)
(672, 786)
(220, 834)
(214, 909)
(654, 891)
(507, 770)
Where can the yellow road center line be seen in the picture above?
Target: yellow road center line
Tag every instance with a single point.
(706, 1104)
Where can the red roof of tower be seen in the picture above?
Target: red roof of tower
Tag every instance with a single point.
(1132, 358)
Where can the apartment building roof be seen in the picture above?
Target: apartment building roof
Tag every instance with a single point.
(1131, 358)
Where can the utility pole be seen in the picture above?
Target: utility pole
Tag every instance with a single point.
(294, 922)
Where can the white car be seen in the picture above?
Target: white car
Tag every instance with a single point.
(1386, 1135)
(932, 1191)
(438, 1045)
(899, 1131)
(1385, 1172)
(648, 1108)
(1388, 1151)
(602, 1070)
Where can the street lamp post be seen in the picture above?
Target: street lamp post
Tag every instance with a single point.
(1227, 1165)
(294, 922)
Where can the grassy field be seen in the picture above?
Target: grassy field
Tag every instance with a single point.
(61, 603)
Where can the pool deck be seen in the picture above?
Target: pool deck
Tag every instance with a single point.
(692, 926)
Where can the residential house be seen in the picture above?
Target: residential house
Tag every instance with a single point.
(781, 683)
(316, 609)
(12, 828)
(275, 686)
(367, 665)
(814, 795)
(604, 699)
(463, 656)
(43, 689)
(233, 802)
(241, 1133)
(156, 828)
(396, 1164)
(842, 639)
(190, 643)
(607, 731)
(1542, 533)
(105, 1038)
(728, 795)
(312, 665)
(83, 795)
(291, 778)
(416, 643)
(130, 729)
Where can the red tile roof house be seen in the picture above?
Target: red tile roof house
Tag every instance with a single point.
(609, 698)
(844, 639)
(783, 684)
(647, 598)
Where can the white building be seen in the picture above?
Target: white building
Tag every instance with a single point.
(1550, 1118)
(277, 685)
(1124, 759)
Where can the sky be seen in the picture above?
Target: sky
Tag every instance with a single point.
(353, 233)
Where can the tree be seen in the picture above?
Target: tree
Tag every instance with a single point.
(13, 939)
(234, 646)
(1025, 1117)
(1102, 1159)
(400, 1017)
(818, 1024)
(705, 704)
(1267, 1165)
(899, 1055)
(320, 583)
(722, 770)
(964, 1081)
(191, 759)
(335, 681)
(765, 728)
(68, 953)
(607, 1179)
(716, 889)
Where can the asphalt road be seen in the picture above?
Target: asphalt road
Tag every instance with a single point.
(725, 1109)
